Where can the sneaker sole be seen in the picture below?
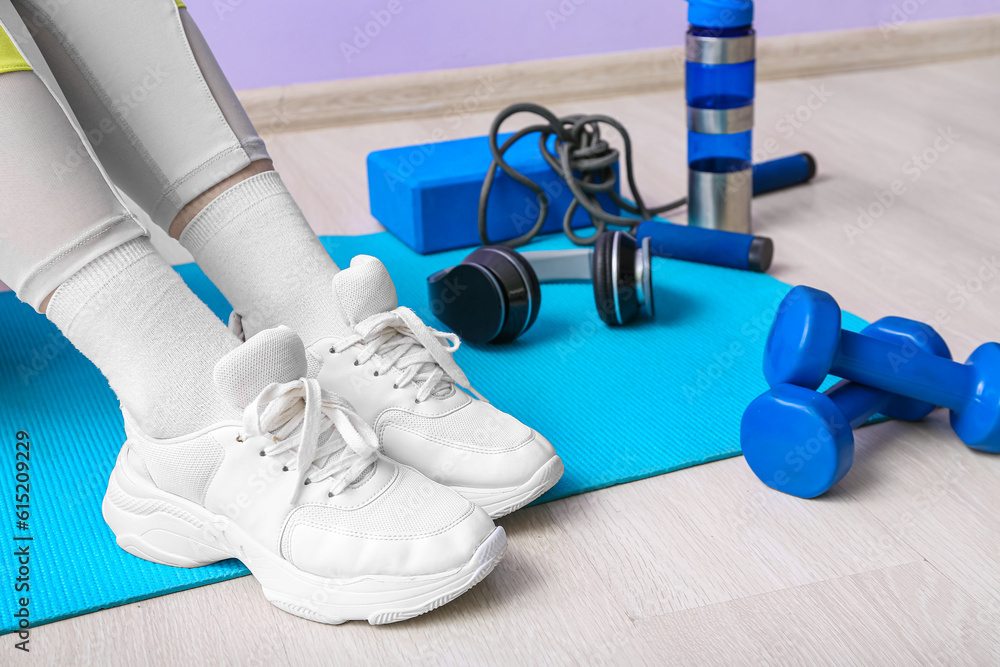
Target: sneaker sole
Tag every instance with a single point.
(501, 502)
(164, 528)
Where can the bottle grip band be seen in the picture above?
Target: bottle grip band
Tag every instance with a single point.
(720, 50)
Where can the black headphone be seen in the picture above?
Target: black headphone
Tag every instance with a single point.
(494, 295)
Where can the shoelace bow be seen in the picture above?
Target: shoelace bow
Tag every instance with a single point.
(330, 440)
(401, 339)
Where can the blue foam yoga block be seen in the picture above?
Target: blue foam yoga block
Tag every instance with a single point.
(428, 195)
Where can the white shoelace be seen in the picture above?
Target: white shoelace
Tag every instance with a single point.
(402, 340)
(330, 440)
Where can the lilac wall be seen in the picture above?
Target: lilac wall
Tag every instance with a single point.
(268, 43)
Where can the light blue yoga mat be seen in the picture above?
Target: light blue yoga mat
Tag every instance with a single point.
(618, 404)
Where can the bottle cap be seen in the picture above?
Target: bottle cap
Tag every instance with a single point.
(720, 13)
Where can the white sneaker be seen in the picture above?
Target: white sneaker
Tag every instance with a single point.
(400, 376)
(332, 530)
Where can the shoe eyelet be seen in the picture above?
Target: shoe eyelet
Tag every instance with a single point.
(239, 438)
(329, 495)
(262, 453)
(284, 468)
(376, 373)
(306, 483)
(416, 401)
(332, 349)
(395, 386)
(356, 363)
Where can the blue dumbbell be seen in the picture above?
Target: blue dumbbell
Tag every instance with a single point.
(806, 344)
(801, 442)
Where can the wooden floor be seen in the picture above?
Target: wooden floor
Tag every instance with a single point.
(900, 564)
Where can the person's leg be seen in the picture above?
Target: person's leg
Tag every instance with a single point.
(169, 129)
(67, 242)
(192, 169)
(194, 484)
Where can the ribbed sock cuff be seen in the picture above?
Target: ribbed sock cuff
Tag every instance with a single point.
(253, 242)
(72, 296)
(230, 206)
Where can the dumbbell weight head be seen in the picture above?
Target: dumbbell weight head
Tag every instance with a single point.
(978, 425)
(797, 440)
(804, 339)
(800, 441)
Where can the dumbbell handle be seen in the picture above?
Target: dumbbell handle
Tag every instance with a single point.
(902, 370)
(858, 402)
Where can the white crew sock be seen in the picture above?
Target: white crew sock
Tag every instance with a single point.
(156, 342)
(256, 246)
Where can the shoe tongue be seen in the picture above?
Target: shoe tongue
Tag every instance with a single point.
(273, 355)
(363, 290)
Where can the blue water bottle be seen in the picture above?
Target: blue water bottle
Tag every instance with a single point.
(720, 91)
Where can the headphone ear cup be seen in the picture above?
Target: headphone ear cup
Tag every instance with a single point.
(519, 286)
(470, 301)
(628, 295)
(604, 295)
(532, 283)
(614, 278)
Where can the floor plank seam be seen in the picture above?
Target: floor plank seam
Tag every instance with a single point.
(764, 594)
